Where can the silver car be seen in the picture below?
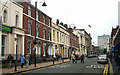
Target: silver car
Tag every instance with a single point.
(102, 59)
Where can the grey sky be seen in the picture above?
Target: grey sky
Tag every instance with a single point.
(102, 15)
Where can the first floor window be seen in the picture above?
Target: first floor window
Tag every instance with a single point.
(3, 45)
(44, 32)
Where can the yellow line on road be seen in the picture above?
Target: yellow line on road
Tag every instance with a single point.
(105, 70)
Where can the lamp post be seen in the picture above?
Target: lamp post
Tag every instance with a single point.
(44, 4)
(16, 55)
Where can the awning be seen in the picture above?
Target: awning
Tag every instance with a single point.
(116, 47)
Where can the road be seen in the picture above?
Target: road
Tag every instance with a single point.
(90, 66)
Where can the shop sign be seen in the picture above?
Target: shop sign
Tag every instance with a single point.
(6, 28)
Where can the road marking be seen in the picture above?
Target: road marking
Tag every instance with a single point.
(105, 70)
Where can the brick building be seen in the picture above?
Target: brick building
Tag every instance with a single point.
(43, 31)
(74, 42)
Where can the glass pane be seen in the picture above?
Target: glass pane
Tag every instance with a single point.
(2, 52)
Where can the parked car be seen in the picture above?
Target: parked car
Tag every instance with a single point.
(102, 58)
(90, 56)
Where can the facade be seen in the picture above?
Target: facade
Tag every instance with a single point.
(11, 29)
(43, 31)
(103, 41)
(64, 40)
(55, 40)
(74, 43)
(84, 41)
(60, 39)
(88, 43)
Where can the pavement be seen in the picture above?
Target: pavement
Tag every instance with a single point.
(31, 67)
(113, 70)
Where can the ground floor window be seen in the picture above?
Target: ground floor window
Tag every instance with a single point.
(3, 45)
(44, 48)
(29, 46)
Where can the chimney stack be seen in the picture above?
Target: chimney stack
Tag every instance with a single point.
(66, 26)
(57, 22)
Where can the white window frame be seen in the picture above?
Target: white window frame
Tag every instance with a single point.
(29, 27)
(37, 30)
(49, 34)
(53, 35)
(4, 46)
(5, 16)
(49, 22)
(29, 10)
(44, 32)
(44, 48)
(44, 20)
(37, 16)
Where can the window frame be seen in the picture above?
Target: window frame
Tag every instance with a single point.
(44, 19)
(16, 20)
(29, 11)
(29, 27)
(44, 32)
(29, 41)
(37, 30)
(5, 46)
(5, 16)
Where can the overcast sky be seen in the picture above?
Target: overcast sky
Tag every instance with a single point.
(102, 15)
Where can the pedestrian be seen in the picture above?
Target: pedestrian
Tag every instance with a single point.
(22, 60)
(9, 59)
(30, 60)
(60, 57)
(27, 57)
(82, 58)
(73, 58)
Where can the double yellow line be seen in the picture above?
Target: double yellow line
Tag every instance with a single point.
(105, 70)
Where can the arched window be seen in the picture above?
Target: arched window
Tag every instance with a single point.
(16, 20)
(5, 16)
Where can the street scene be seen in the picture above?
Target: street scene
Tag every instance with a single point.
(90, 66)
(60, 37)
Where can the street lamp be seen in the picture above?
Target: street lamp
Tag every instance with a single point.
(35, 42)
(16, 55)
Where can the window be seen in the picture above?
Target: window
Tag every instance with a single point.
(5, 16)
(62, 38)
(29, 26)
(3, 43)
(43, 19)
(54, 35)
(29, 10)
(29, 46)
(58, 36)
(49, 22)
(44, 48)
(44, 32)
(37, 30)
(49, 34)
(37, 15)
(16, 20)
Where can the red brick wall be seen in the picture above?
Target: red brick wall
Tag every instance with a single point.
(25, 26)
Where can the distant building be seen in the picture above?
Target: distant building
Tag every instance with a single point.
(103, 41)
(119, 13)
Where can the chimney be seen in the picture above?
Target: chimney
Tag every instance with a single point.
(57, 22)
(62, 23)
(70, 30)
(66, 26)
